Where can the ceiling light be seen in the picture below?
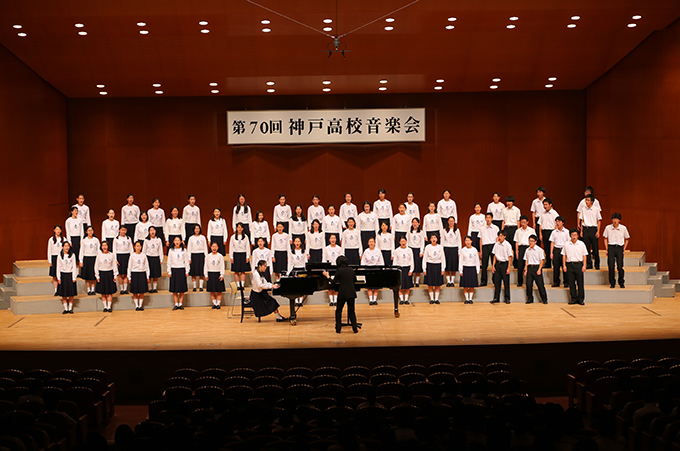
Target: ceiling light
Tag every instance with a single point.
(156, 85)
(271, 90)
(326, 89)
(440, 80)
(510, 26)
(141, 24)
(17, 26)
(552, 79)
(23, 35)
(79, 25)
(270, 83)
(514, 18)
(328, 21)
(213, 84)
(549, 85)
(326, 82)
(637, 17)
(389, 19)
(382, 88)
(143, 32)
(389, 28)
(205, 30)
(383, 81)
(450, 27)
(215, 91)
(102, 93)
(266, 30)
(203, 22)
(437, 88)
(493, 86)
(159, 92)
(575, 17)
(327, 28)
(632, 25)
(496, 80)
(82, 33)
(101, 86)
(452, 19)
(265, 22)
(571, 25)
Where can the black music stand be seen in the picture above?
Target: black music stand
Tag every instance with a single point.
(348, 323)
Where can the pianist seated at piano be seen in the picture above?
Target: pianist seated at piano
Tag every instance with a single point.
(330, 255)
(297, 259)
(345, 278)
(263, 303)
(372, 257)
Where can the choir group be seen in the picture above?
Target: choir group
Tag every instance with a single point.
(131, 251)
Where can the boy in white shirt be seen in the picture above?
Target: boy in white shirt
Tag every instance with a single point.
(590, 223)
(616, 242)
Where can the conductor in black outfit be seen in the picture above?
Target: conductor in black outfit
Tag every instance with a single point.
(345, 278)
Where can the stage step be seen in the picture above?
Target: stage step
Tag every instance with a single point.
(661, 289)
(665, 276)
(652, 268)
(676, 283)
(5, 294)
(630, 258)
(667, 290)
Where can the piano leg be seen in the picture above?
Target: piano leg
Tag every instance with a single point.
(293, 317)
(395, 293)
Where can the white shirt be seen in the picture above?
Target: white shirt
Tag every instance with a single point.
(332, 224)
(260, 254)
(432, 223)
(590, 216)
(547, 219)
(468, 257)
(416, 240)
(280, 242)
(138, 263)
(129, 214)
(502, 251)
(447, 208)
(476, 222)
(401, 223)
(66, 264)
(574, 252)
(105, 262)
(451, 238)
(534, 255)
(175, 227)
(368, 222)
(282, 214)
(315, 213)
(496, 209)
(559, 237)
(412, 210)
(54, 248)
(372, 258)
(83, 213)
(348, 211)
(434, 254)
(214, 263)
(74, 228)
(384, 241)
(522, 236)
(142, 230)
(297, 226)
(488, 234)
(537, 206)
(156, 217)
(242, 216)
(315, 240)
(191, 215)
(110, 228)
(403, 257)
(351, 239)
(616, 236)
(511, 216)
(241, 246)
(153, 247)
(297, 259)
(331, 253)
(259, 230)
(197, 245)
(89, 247)
(259, 282)
(383, 208)
(122, 245)
(178, 258)
(582, 205)
(217, 228)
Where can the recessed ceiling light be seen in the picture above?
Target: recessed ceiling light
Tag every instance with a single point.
(327, 28)
(159, 92)
(575, 17)
(79, 25)
(389, 19)
(17, 26)
(326, 82)
(632, 25)
(552, 79)
(437, 88)
(102, 93)
(510, 26)
(215, 91)
(493, 86)
(205, 30)
(549, 85)
(265, 22)
(450, 27)
(141, 24)
(326, 89)
(571, 25)
(266, 30)
(452, 19)
(271, 90)
(496, 80)
(203, 22)
(23, 35)
(389, 28)
(270, 83)
(101, 86)
(328, 21)
(82, 33)
(213, 84)
(440, 80)
(382, 88)
(637, 17)
(514, 18)
(143, 32)
(156, 85)
(383, 81)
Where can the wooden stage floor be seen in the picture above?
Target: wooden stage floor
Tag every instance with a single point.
(449, 324)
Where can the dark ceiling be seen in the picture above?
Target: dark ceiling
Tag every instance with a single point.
(240, 58)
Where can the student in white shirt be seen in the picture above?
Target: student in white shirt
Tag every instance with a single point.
(129, 215)
(138, 273)
(383, 208)
(590, 223)
(297, 260)
(574, 258)
(54, 247)
(239, 254)
(546, 220)
(213, 271)
(280, 246)
(315, 242)
(83, 211)
(110, 228)
(74, 231)
(581, 205)
(534, 257)
(400, 223)
(348, 210)
(475, 224)
(217, 231)
(616, 238)
(89, 248)
(351, 243)
(488, 236)
(197, 248)
(521, 245)
(157, 218)
(372, 257)
(66, 276)
(416, 241)
(263, 303)
(262, 253)
(385, 242)
(330, 255)
(153, 249)
(368, 224)
(432, 223)
(537, 207)
(496, 209)
(122, 247)
(502, 259)
(558, 238)
(315, 211)
(447, 207)
(403, 258)
(191, 215)
(332, 225)
(142, 228)
(259, 229)
(282, 213)
(468, 267)
(174, 227)
(412, 208)
(106, 271)
(178, 269)
(434, 266)
(511, 216)
(298, 226)
(243, 214)
(451, 244)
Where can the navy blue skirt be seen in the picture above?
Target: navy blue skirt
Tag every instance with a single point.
(263, 304)
(123, 259)
(387, 257)
(197, 265)
(53, 268)
(281, 263)
(75, 247)
(451, 255)
(240, 264)
(417, 261)
(469, 277)
(365, 235)
(67, 288)
(315, 255)
(138, 283)
(434, 278)
(87, 273)
(106, 284)
(353, 256)
(178, 281)
(215, 285)
(406, 280)
(154, 267)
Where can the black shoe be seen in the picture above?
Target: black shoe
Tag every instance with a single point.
(529, 302)
(572, 303)
(555, 285)
(176, 307)
(436, 302)
(453, 285)
(597, 268)
(70, 312)
(545, 302)
(589, 266)
(482, 284)
(417, 285)
(407, 303)
(213, 307)
(622, 286)
(181, 307)
(519, 285)
(401, 302)
(507, 301)
(612, 286)
(495, 301)
(355, 330)
(65, 312)
(122, 292)
(141, 309)
(431, 302)
(338, 329)
(200, 289)
(579, 303)
(282, 320)
(56, 294)
(194, 289)
(217, 307)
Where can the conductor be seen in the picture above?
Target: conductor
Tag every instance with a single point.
(345, 279)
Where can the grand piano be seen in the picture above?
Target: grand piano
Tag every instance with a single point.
(312, 279)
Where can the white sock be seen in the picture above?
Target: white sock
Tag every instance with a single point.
(194, 282)
(335, 298)
(125, 286)
(436, 296)
(104, 302)
(406, 297)
(401, 297)
(431, 296)
(176, 304)
(65, 307)
(472, 294)
(278, 315)
(448, 279)
(70, 305)
(141, 303)
(155, 285)
(108, 304)
(200, 283)
(417, 279)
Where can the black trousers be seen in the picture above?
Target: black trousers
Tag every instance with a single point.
(499, 276)
(497, 222)
(545, 234)
(615, 257)
(557, 266)
(486, 256)
(350, 312)
(575, 277)
(510, 237)
(532, 276)
(593, 246)
(520, 264)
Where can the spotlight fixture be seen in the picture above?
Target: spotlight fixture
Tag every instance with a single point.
(389, 19)
(203, 23)
(205, 31)
(450, 27)
(159, 92)
(326, 89)
(389, 28)
(552, 79)
(215, 91)
(493, 86)
(141, 24)
(79, 25)
(102, 93)
(637, 17)
(213, 84)
(143, 32)
(156, 85)
(575, 17)
(382, 88)
(101, 86)
(549, 85)
(266, 30)
(440, 80)
(265, 22)
(452, 19)
(632, 25)
(511, 26)
(21, 35)
(326, 82)
(514, 18)
(437, 88)
(328, 21)
(16, 26)
(82, 33)
(327, 28)
(571, 25)
(271, 90)
(270, 83)
(383, 81)
(496, 80)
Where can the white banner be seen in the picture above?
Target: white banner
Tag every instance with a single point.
(326, 126)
